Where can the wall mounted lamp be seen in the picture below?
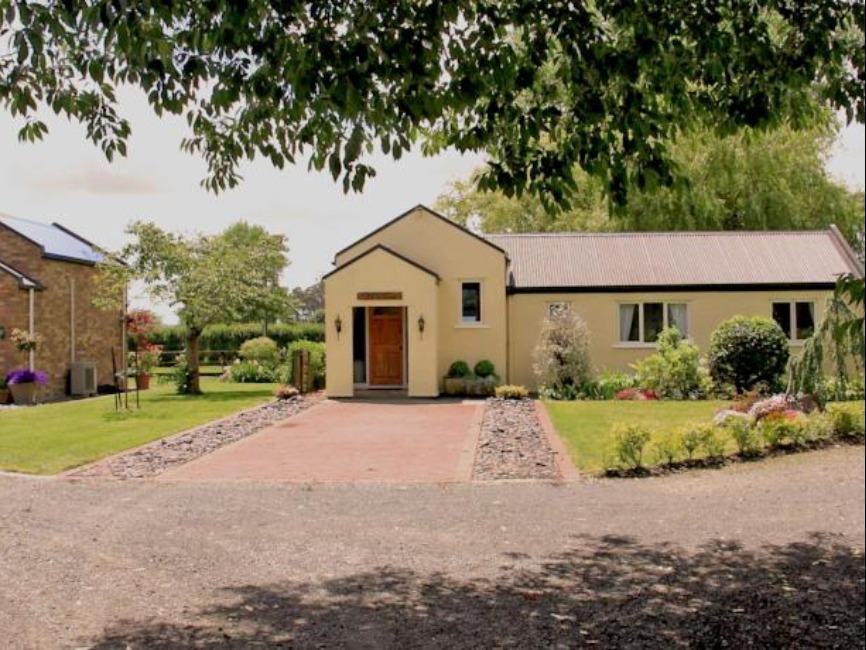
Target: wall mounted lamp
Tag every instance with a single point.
(421, 324)
(338, 325)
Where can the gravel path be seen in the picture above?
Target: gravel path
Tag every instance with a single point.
(765, 554)
(513, 444)
(160, 455)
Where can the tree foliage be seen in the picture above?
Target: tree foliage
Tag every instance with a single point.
(749, 180)
(838, 339)
(207, 278)
(310, 302)
(542, 87)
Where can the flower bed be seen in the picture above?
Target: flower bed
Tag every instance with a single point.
(779, 424)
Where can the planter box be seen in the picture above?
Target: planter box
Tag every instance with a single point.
(4, 396)
(24, 393)
(470, 386)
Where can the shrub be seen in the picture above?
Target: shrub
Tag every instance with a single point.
(181, 376)
(459, 369)
(607, 385)
(629, 443)
(285, 392)
(744, 435)
(780, 431)
(317, 362)
(667, 448)
(692, 438)
(848, 422)
(818, 428)
(675, 371)
(726, 416)
(561, 356)
(261, 349)
(484, 368)
(562, 393)
(251, 372)
(711, 442)
(511, 391)
(747, 351)
(230, 336)
(637, 394)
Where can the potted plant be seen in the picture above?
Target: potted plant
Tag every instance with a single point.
(4, 391)
(24, 383)
(23, 340)
(143, 362)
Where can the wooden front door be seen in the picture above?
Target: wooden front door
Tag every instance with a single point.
(386, 346)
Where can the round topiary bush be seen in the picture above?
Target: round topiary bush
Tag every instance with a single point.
(261, 349)
(459, 369)
(747, 351)
(484, 368)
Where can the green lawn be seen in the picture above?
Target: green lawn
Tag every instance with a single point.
(585, 427)
(53, 437)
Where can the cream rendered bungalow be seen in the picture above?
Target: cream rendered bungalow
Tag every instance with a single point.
(420, 292)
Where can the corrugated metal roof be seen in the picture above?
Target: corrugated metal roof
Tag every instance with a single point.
(25, 281)
(562, 260)
(55, 240)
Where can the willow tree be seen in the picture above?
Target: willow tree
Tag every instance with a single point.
(838, 341)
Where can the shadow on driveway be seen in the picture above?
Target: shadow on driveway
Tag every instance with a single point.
(609, 591)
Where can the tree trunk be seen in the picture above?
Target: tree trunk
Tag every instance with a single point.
(192, 360)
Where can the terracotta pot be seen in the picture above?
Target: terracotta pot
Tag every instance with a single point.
(4, 396)
(142, 381)
(24, 393)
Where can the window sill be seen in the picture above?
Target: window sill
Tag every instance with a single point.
(471, 326)
(635, 346)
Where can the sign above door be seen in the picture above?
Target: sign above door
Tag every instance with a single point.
(380, 295)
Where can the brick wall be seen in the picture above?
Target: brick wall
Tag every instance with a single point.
(13, 313)
(67, 286)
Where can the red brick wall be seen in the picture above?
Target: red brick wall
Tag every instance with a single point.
(96, 331)
(13, 313)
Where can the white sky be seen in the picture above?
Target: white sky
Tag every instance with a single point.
(66, 179)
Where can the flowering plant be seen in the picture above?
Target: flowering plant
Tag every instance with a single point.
(25, 376)
(24, 341)
(146, 359)
(637, 394)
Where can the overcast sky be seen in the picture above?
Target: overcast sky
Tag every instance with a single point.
(66, 179)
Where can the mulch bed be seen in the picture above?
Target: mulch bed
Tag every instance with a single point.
(160, 455)
(512, 443)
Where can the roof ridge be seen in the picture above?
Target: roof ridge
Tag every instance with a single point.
(659, 233)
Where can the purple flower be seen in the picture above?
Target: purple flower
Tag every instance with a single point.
(25, 376)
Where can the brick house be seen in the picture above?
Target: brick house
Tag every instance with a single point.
(47, 276)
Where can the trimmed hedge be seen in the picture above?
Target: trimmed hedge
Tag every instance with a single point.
(231, 337)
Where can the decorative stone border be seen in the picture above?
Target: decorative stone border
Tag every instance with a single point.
(156, 457)
(515, 444)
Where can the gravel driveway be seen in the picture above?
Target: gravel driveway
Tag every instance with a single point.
(768, 552)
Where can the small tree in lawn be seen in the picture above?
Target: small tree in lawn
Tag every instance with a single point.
(207, 278)
(561, 356)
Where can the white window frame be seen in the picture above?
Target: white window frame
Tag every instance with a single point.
(461, 322)
(665, 321)
(792, 316)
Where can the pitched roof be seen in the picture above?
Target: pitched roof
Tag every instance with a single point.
(389, 251)
(675, 259)
(24, 281)
(433, 213)
(56, 241)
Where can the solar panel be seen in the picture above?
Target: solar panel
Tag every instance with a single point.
(55, 241)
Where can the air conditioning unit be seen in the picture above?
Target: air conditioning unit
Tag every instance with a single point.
(82, 378)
